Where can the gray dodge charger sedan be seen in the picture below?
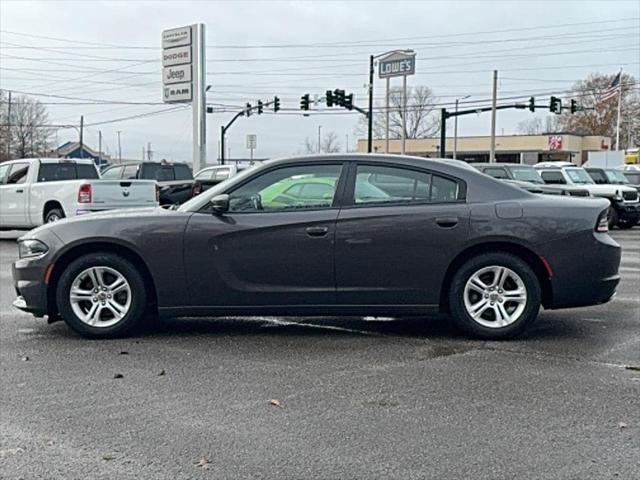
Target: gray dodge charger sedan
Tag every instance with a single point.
(327, 235)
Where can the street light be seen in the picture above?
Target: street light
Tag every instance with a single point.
(370, 119)
(455, 128)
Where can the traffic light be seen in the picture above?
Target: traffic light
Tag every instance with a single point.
(339, 97)
(260, 106)
(555, 105)
(532, 104)
(276, 104)
(348, 101)
(330, 99)
(248, 109)
(304, 102)
(574, 106)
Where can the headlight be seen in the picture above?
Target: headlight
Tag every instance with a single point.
(32, 248)
(618, 196)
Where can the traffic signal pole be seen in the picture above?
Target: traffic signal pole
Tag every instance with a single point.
(370, 114)
(444, 115)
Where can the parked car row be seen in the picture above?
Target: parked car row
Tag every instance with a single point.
(565, 178)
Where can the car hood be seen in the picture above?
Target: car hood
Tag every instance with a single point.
(607, 189)
(95, 222)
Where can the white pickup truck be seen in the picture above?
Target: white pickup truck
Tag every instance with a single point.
(34, 191)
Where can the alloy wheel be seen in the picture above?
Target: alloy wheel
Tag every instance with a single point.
(495, 296)
(100, 296)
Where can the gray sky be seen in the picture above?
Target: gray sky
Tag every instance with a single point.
(260, 49)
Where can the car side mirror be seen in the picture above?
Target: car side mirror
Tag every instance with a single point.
(220, 204)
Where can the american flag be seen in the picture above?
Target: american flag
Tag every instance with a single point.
(612, 90)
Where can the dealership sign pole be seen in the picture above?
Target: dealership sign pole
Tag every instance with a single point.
(401, 63)
(183, 80)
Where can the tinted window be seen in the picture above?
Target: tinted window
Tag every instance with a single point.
(598, 176)
(4, 168)
(51, 172)
(268, 192)
(444, 189)
(158, 172)
(553, 178)
(376, 184)
(112, 173)
(130, 172)
(85, 171)
(18, 173)
(182, 172)
(496, 172)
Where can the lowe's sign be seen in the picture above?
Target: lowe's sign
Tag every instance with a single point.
(397, 65)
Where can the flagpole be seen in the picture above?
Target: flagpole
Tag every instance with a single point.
(619, 108)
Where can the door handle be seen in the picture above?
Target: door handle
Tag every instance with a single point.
(447, 222)
(317, 231)
(20, 190)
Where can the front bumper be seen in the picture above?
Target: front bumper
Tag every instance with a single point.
(628, 211)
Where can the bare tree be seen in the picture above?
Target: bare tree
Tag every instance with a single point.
(538, 126)
(328, 144)
(4, 128)
(600, 117)
(26, 128)
(421, 118)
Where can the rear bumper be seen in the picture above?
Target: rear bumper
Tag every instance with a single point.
(586, 274)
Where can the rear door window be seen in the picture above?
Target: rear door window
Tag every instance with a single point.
(18, 173)
(182, 172)
(598, 176)
(496, 172)
(553, 178)
(130, 172)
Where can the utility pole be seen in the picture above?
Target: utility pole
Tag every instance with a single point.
(119, 147)
(99, 148)
(149, 154)
(81, 136)
(9, 128)
(455, 128)
(387, 114)
(404, 113)
(346, 143)
(492, 152)
(370, 114)
(319, 129)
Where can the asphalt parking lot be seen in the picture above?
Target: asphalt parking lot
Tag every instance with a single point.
(325, 398)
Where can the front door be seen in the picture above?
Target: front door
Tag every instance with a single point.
(274, 246)
(395, 241)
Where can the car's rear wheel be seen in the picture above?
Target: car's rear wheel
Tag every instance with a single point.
(54, 215)
(494, 296)
(101, 296)
(613, 218)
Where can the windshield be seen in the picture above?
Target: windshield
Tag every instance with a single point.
(616, 176)
(199, 200)
(526, 174)
(579, 175)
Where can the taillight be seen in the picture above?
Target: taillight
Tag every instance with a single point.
(84, 193)
(603, 221)
(157, 193)
(196, 189)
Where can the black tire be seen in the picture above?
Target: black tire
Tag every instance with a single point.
(125, 268)
(627, 223)
(54, 215)
(613, 218)
(457, 291)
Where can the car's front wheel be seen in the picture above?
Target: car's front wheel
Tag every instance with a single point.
(101, 296)
(494, 296)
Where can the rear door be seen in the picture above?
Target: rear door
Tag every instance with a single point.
(397, 233)
(268, 249)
